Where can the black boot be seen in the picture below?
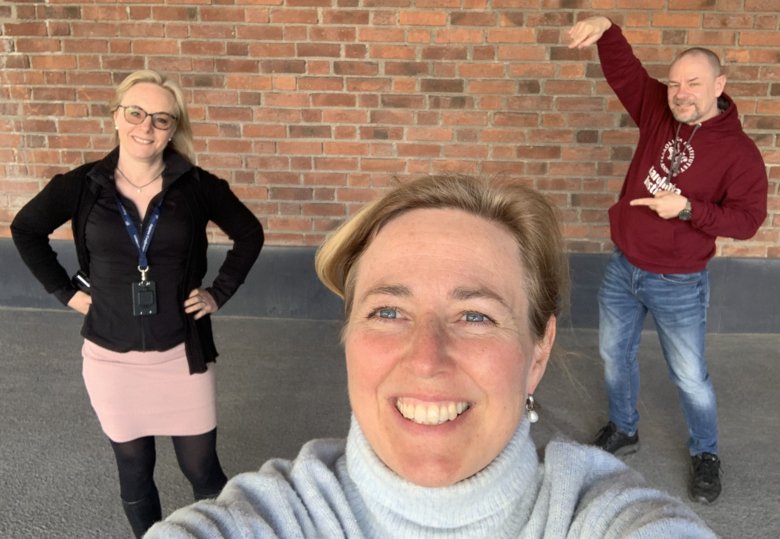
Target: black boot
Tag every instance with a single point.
(143, 513)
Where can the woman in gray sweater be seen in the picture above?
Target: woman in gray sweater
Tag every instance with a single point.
(452, 287)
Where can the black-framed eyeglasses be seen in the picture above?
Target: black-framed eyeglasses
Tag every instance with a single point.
(136, 115)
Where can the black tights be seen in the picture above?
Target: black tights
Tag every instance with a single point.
(197, 457)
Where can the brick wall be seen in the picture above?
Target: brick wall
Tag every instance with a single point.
(310, 107)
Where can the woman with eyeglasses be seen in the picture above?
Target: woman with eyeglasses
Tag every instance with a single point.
(139, 219)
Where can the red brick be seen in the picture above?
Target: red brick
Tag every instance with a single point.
(345, 148)
(25, 29)
(502, 87)
(384, 52)
(445, 53)
(422, 18)
(324, 178)
(473, 18)
(336, 163)
(460, 35)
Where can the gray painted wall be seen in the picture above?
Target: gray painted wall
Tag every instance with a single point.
(283, 285)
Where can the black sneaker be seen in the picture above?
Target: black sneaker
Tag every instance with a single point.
(705, 478)
(610, 439)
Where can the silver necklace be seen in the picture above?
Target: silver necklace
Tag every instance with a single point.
(139, 188)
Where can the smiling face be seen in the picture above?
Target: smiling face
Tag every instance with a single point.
(693, 89)
(440, 356)
(143, 141)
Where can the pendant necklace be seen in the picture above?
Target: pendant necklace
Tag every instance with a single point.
(139, 188)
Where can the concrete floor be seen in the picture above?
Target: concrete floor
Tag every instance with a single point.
(282, 382)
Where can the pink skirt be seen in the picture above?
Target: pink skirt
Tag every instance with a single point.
(138, 394)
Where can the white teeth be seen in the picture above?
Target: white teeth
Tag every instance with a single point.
(430, 414)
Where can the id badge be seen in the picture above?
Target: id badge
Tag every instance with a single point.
(144, 298)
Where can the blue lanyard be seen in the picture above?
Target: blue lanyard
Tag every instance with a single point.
(142, 244)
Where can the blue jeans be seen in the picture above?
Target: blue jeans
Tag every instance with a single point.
(678, 304)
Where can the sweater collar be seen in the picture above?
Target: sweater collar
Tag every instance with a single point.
(487, 500)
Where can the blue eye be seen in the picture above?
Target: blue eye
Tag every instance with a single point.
(475, 317)
(389, 313)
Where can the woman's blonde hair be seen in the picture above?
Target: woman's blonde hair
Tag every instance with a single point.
(182, 137)
(525, 213)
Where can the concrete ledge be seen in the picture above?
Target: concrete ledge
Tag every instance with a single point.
(283, 285)
(743, 294)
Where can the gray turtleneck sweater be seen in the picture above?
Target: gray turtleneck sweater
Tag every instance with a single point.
(341, 489)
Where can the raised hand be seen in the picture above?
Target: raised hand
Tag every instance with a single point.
(586, 32)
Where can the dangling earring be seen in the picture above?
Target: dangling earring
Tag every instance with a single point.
(530, 410)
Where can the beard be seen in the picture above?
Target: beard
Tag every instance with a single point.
(686, 113)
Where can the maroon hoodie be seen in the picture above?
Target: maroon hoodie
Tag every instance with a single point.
(721, 172)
